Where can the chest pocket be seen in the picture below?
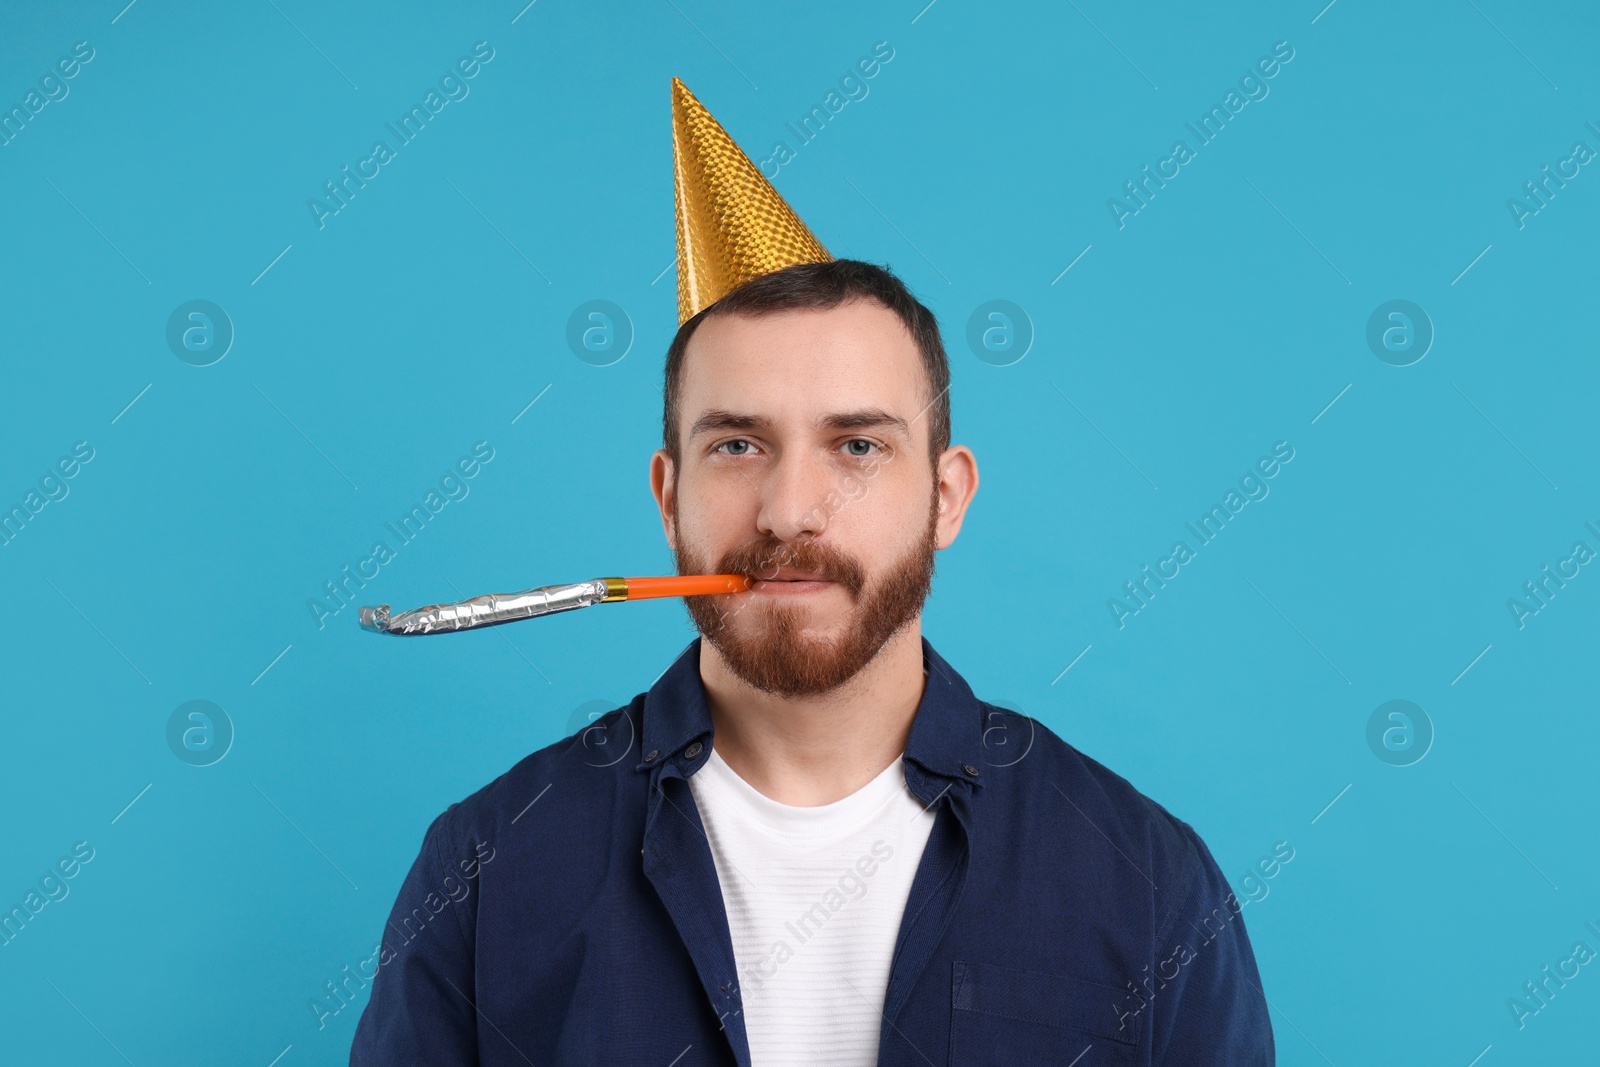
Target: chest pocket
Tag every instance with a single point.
(1015, 1018)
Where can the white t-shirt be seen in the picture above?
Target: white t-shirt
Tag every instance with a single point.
(814, 897)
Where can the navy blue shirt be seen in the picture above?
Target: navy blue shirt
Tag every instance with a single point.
(569, 912)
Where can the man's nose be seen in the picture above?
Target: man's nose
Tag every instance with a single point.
(794, 498)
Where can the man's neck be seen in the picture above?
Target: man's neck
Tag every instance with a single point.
(816, 750)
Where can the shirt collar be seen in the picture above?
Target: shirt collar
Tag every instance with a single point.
(946, 736)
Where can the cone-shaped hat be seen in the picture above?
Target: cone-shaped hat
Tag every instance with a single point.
(732, 224)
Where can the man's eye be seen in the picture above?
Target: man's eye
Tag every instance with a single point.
(731, 444)
(861, 453)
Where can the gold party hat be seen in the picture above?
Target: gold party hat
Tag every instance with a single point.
(732, 224)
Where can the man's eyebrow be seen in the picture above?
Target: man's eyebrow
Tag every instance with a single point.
(865, 418)
(720, 419)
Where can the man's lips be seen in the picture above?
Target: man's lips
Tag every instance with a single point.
(791, 574)
(790, 581)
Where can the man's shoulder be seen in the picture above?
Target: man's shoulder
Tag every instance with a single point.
(1101, 803)
(580, 772)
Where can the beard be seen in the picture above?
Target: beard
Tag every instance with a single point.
(771, 651)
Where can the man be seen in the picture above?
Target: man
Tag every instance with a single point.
(809, 842)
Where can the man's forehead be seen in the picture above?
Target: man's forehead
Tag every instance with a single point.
(807, 363)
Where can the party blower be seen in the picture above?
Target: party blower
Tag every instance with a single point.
(495, 608)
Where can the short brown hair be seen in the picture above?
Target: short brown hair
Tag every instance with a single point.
(821, 286)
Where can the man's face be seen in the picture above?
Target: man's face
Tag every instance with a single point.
(804, 464)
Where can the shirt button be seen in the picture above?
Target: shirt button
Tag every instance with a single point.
(693, 750)
(972, 772)
(652, 755)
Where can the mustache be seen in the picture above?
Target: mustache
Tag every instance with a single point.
(762, 557)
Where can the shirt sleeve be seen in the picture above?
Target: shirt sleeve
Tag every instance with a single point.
(422, 1006)
(1209, 1007)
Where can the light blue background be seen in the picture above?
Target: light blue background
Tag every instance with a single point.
(428, 313)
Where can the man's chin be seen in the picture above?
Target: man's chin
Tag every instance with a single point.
(757, 628)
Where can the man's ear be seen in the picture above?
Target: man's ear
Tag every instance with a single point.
(663, 486)
(958, 484)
